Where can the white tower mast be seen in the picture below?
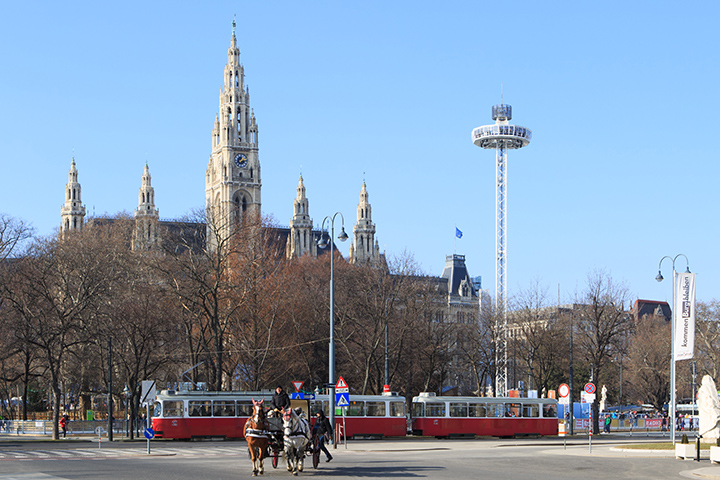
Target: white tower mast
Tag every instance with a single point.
(501, 136)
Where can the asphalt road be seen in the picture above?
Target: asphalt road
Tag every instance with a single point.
(383, 459)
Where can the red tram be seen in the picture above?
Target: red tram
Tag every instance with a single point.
(197, 414)
(490, 416)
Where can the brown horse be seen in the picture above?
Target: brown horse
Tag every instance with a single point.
(256, 436)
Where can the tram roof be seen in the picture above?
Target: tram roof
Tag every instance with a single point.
(434, 398)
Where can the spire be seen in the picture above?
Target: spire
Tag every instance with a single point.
(365, 248)
(146, 215)
(300, 188)
(72, 212)
(300, 241)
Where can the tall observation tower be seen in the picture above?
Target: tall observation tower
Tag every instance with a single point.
(501, 136)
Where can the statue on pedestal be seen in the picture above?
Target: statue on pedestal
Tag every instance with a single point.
(709, 408)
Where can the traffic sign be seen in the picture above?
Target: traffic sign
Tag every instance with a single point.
(590, 388)
(341, 386)
(297, 385)
(149, 433)
(342, 399)
(564, 390)
(147, 394)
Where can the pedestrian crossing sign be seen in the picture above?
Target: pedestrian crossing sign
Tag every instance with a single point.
(343, 399)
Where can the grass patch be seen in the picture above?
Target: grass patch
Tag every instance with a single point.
(660, 446)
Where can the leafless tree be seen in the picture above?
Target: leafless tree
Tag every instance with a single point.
(601, 324)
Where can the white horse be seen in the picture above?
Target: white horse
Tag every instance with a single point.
(296, 436)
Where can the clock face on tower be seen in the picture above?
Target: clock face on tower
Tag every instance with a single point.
(241, 160)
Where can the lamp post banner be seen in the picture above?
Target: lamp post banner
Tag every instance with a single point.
(684, 316)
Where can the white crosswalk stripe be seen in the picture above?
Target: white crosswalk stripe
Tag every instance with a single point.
(121, 452)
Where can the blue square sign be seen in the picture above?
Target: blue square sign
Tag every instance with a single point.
(342, 399)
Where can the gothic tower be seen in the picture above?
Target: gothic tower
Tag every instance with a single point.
(145, 235)
(364, 249)
(301, 239)
(73, 211)
(232, 180)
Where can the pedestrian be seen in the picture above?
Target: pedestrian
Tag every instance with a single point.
(323, 431)
(63, 425)
(608, 420)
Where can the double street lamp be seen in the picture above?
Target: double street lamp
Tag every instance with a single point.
(331, 358)
(659, 278)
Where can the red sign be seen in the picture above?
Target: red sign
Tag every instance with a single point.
(297, 385)
(590, 388)
(341, 386)
(564, 390)
(386, 388)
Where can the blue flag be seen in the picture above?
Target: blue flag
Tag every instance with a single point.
(458, 233)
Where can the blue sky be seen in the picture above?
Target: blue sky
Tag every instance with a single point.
(621, 98)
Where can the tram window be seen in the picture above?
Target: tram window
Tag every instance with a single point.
(224, 409)
(199, 408)
(318, 405)
(549, 411)
(458, 410)
(513, 410)
(479, 410)
(172, 408)
(496, 410)
(417, 409)
(375, 409)
(356, 409)
(244, 409)
(531, 411)
(434, 409)
(397, 409)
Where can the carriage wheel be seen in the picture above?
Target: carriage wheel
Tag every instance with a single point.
(275, 460)
(316, 457)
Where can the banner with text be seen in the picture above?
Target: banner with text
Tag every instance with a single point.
(684, 316)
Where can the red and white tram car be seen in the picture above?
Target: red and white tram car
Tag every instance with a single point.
(198, 414)
(484, 416)
(368, 415)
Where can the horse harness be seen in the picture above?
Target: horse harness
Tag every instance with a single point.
(251, 429)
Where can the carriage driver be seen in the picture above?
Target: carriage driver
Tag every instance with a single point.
(280, 400)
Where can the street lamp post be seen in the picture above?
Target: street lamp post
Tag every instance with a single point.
(659, 278)
(331, 357)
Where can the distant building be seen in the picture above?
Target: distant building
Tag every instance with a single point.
(643, 308)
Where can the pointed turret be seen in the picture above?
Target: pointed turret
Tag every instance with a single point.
(72, 211)
(145, 236)
(301, 241)
(365, 248)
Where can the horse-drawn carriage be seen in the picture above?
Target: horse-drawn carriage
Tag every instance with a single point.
(286, 435)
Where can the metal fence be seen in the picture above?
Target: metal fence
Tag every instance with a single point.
(74, 427)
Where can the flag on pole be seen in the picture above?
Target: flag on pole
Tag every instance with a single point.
(684, 315)
(458, 233)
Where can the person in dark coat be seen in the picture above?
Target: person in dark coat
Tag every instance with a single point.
(324, 431)
(280, 400)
